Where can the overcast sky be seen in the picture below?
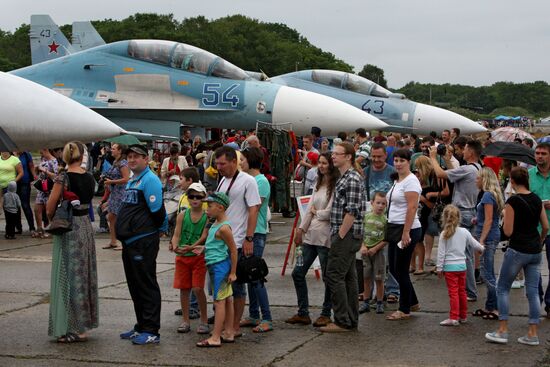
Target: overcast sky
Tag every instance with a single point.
(473, 42)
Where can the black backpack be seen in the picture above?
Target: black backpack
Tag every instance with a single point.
(251, 269)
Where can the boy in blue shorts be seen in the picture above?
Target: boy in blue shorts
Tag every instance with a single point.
(374, 260)
(221, 261)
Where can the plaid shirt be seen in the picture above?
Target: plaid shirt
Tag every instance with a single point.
(349, 197)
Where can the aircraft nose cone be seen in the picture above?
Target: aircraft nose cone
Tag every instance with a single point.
(306, 109)
(429, 118)
(34, 116)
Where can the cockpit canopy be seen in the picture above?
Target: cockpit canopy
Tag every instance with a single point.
(354, 83)
(184, 57)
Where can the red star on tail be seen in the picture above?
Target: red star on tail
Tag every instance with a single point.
(53, 47)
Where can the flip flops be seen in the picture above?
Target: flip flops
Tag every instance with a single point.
(398, 315)
(109, 246)
(490, 316)
(479, 313)
(206, 344)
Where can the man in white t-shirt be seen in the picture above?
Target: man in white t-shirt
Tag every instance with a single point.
(244, 204)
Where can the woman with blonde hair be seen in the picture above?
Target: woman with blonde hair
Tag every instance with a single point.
(73, 295)
(487, 232)
(432, 188)
(451, 263)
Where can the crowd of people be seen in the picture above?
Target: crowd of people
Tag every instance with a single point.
(377, 205)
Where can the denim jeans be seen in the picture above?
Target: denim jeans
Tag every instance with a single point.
(24, 192)
(547, 293)
(488, 272)
(310, 252)
(257, 293)
(513, 262)
(342, 279)
(466, 216)
(399, 260)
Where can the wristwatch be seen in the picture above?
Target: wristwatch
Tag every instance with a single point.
(249, 238)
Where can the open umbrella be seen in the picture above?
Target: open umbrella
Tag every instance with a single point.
(509, 133)
(545, 139)
(124, 139)
(6, 144)
(511, 151)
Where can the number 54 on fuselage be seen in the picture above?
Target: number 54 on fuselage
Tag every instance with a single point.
(156, 80)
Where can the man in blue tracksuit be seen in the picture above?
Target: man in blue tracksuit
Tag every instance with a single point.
(141, 219)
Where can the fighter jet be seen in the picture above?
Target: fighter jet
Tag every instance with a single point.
(153, 86)
(401, 114)
(35, 117)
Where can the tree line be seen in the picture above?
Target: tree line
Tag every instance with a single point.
(276, 49)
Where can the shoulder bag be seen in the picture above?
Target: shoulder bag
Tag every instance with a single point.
(62, 221)
(394, 231)
(210, 170)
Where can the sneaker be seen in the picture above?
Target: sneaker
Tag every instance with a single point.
(364, 307)
(129, 335)
(203, 329)
(297, 319)
(146, 338)
(516, 284)
(194, 314)
(534, 340)
(102, 230)
(184, 328)
(380, 308)
(471, 299)
(463, 321)
(322, 321)
(449, 322)
(496, 337)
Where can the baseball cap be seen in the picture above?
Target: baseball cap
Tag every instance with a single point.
(218, 197)
(175, 178)
(139, 149)
(233, 145)
(313, 157)
(197, 186)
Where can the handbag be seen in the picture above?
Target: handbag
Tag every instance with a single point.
(394, 231)
(251, 269)
(43, 185)
(437, 210)
(210, 170)
(62, 221)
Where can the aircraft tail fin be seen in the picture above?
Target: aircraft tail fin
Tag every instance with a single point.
(85, 36)
(47, 40)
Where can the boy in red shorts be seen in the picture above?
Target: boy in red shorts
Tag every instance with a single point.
(188, 244)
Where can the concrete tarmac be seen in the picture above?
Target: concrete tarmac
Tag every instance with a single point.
(25, 282)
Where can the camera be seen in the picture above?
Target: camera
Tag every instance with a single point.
(441, 149)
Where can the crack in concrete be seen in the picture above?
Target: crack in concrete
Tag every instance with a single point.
(85, 360)
(282, 357)
(43, 300)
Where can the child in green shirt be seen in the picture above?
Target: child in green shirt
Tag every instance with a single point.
(374, 260)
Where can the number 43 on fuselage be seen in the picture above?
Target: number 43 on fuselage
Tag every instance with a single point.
(167, 81)
(401, 114)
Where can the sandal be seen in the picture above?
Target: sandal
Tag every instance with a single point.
(263, 327)
(35, 234)
(392, 298)
(412, 270)
(72, 338)
(398, 315)
(226, 340)
(109, 246)
(184, 328)
(206, 344)
(419, 272)
(479, 313)
(249, 322)
(490, 316)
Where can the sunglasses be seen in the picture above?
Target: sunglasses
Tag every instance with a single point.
(195, 197)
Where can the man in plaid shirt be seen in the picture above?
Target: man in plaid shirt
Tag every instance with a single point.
(346, 226)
